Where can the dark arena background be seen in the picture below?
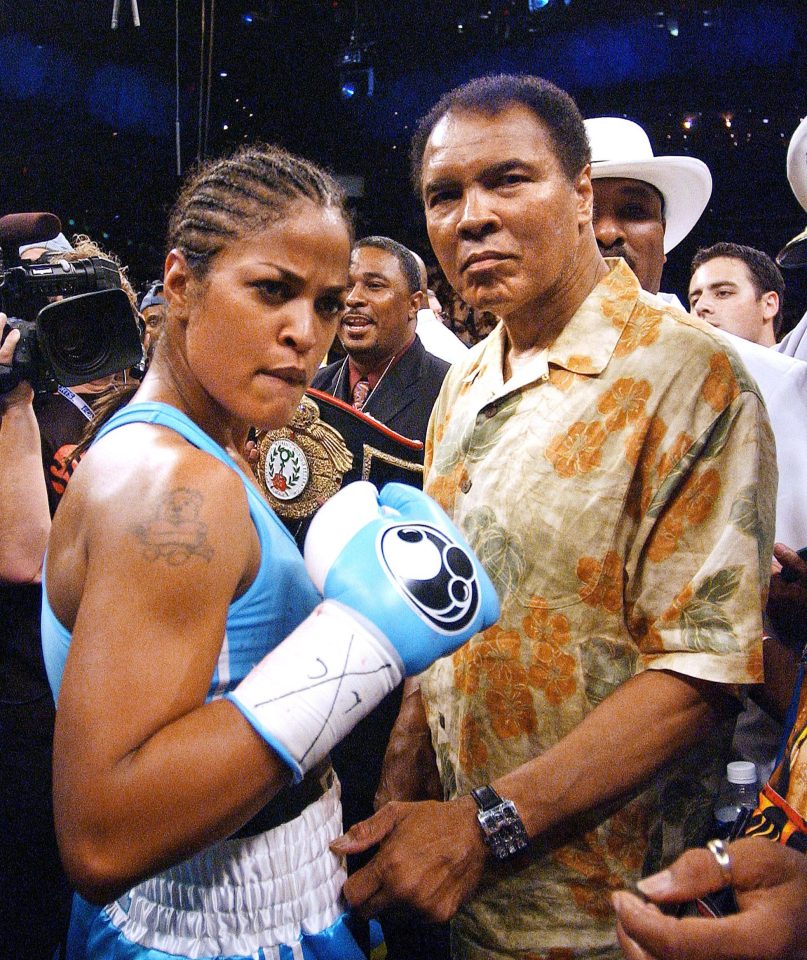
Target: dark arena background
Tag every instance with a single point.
(98, 122)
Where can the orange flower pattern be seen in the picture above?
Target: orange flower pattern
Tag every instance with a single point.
(602, 581)
(670, 457)
(624, 402)
(754, 666)
(490, 652)
(581, 364)
(600, 500)
(553, 671)
(643, 444)
(720, 387)
(578, 450)
(473, 751)
(696, 503)
(561, 378)
(445, 489)
(541, 626)
(511, 711)
(642, 330)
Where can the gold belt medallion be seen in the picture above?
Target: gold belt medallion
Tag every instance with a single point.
(301, 465)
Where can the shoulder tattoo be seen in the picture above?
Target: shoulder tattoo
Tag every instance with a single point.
(175, 533)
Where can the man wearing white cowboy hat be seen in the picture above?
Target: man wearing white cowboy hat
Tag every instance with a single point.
(643, 205)
(772, 908)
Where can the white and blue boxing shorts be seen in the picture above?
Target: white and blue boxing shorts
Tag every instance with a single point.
(273, 896)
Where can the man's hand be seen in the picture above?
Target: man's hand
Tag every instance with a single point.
(251, 453)
(787, 598)
(22, 394)
(431, 858)
(770, 884)
(410, 770)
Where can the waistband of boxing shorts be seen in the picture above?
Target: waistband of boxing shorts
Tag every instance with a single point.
(290, 802)
(243, 895)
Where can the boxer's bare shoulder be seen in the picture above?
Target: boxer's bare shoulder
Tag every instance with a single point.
(172, 511)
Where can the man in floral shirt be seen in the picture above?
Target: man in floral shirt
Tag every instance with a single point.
(612, 464)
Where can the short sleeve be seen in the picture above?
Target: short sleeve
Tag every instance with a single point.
(699, 571)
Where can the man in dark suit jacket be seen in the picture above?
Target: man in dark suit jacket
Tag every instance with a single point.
(387, 373)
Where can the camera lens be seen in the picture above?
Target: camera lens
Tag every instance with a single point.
(89, 336)
(79, 345)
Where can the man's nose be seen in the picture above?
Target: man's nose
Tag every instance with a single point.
(354, 296)
(608, 231)
(703, 306)
(477, 216)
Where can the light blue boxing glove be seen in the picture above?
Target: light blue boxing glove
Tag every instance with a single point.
(402, 588)
(398, 561)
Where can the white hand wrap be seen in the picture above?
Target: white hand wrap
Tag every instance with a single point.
(315, 686)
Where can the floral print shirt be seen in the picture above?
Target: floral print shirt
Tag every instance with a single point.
(620, 492)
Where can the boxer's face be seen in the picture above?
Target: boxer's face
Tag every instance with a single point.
(257, 325)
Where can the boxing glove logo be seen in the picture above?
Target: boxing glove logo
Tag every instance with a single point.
(434, 574)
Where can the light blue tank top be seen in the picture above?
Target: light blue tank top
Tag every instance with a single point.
(281, 596)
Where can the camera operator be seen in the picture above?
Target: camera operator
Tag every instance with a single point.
(38, 433)
(153, 308)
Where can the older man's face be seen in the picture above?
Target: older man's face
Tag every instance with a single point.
(628, 223)
(503, 218)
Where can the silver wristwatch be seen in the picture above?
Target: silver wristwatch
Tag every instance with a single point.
(502, 827)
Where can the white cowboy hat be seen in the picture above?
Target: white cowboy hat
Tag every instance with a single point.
(621, 148)
(794, 253)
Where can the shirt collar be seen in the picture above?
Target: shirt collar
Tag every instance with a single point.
(374, 375)
(587, 342)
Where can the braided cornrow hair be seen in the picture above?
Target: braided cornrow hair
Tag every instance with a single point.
(228, 198)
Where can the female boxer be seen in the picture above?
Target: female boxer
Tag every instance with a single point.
(197, 668)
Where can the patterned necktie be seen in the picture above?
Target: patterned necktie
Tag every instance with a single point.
(360, 392)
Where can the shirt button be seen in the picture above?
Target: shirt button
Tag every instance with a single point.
(465, 486)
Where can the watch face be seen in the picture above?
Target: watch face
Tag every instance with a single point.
(503, 830)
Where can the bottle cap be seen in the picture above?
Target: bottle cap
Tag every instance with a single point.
(741, 771)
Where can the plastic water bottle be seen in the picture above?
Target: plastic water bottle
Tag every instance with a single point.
(737, 797)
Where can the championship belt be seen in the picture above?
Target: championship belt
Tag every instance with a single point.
(327, 444)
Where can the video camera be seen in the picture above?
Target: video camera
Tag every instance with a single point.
(88, 334)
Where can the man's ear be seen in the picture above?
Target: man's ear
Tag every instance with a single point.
(585, 196)
(770, 304)
(417, 301)
(175, 282)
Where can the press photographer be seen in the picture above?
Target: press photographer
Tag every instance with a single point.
(76, 324)
(38, 434)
